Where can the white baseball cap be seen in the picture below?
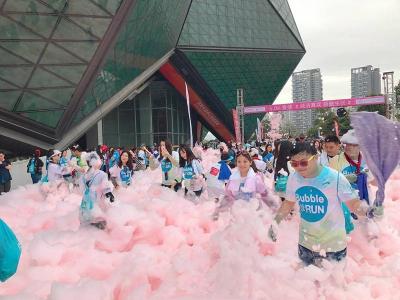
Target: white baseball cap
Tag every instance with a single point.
(55, 152)
(350, 138)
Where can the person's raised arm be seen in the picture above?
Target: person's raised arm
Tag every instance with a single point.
(172, 159)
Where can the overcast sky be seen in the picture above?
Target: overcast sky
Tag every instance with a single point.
(343, 34)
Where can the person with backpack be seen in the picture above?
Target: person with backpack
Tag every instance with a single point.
(218, 177)
(352, 164)
(282, 167)
(231, 153)
(319, 191)
(5, 175)
(260, 164)
(35, 167)
(113, 158)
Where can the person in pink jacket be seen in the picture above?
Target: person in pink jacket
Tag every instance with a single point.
(245, 183)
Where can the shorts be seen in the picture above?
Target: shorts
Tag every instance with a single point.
(314, 258)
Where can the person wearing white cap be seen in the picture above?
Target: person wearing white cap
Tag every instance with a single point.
(260, 164)
(352, 165)
(55, 171)
(218, 177)
(97, 189)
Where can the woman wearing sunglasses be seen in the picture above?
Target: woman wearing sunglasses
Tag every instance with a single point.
(319, 191)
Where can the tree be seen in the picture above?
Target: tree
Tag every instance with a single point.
(266, 123)
(313, 132)
(325, 123)
(287, 129)
(372, 108)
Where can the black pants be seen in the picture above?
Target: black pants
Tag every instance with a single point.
(177, 186)
(36, 178)
(197, 193)
(5, 187)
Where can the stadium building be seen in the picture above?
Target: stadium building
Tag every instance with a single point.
(117, 71)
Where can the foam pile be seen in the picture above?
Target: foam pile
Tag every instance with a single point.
(160, 246)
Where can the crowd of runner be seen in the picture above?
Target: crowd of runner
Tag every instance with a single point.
(327, 178)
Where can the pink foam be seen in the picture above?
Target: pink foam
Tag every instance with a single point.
(159, 245)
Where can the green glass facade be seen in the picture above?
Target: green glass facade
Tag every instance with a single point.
(254, 45)
(150, 32)
(236, 24)
(283, 8)
(261, 75)
(61, 60)
(156, 113)
(45, 48)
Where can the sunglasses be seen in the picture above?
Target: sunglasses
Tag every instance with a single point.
(302, 163)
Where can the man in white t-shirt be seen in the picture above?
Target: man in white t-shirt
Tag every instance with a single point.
(331, 149)
(319, 192)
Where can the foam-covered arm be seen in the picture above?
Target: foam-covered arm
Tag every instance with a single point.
(284, 210)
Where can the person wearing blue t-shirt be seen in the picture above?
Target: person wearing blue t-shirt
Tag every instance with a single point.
(114, 158)
(168, 161)
(192, 171)
(35, 167)
(121, 174)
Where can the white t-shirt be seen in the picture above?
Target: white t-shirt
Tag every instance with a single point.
(215, 186)
(54, 172)
(324, 159)
(260, 164)
(322, 225)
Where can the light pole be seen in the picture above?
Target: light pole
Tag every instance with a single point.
(390, 98)
(240, 112)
